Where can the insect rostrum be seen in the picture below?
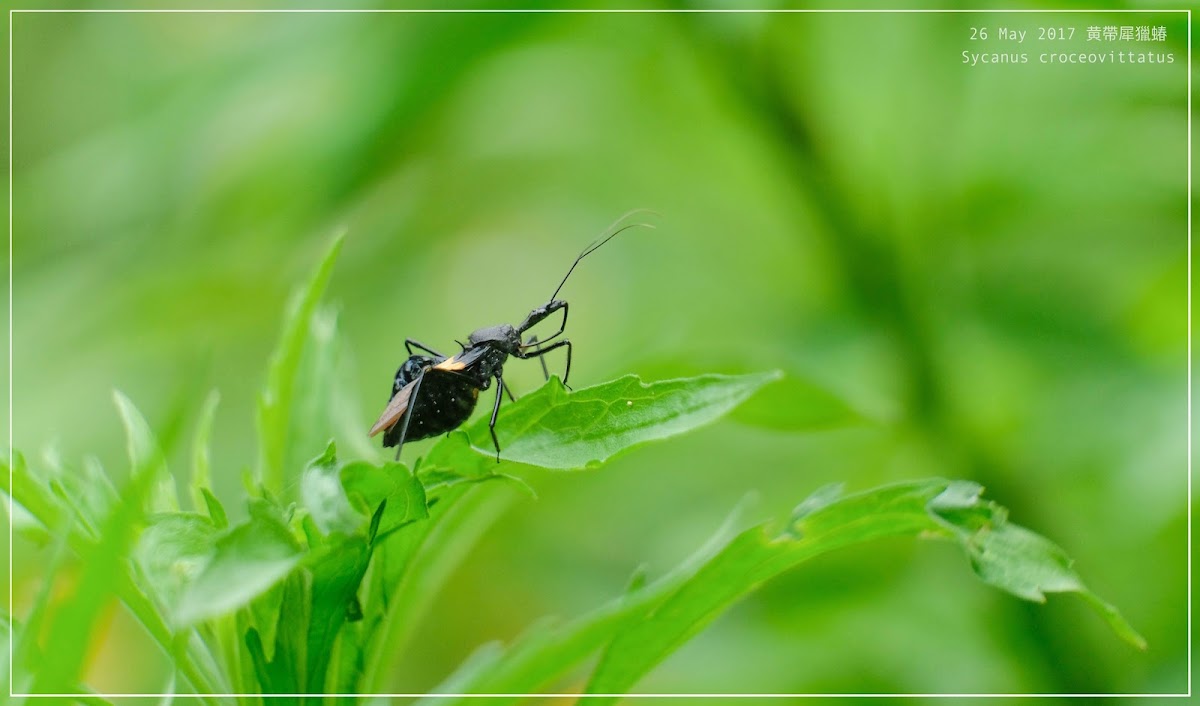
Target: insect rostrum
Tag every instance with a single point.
(433, 393)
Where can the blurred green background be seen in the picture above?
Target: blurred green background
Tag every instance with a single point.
(987, 263)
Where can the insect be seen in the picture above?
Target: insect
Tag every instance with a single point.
(433, 393)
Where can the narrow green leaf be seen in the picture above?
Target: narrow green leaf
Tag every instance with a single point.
(32, 494)
(201, 478)
(651, 621)
(216, 511)
(273, 676)
(263, 615)
(558, 429)
(87, 493)
(145, 452)
(275, 402)
(314, 388)
(550, 649)
(64, 650)
(337, 572)
(412, 564)
(295, 617)
(1004, 555)
(24, 654)
(246, 561)
(29, 490)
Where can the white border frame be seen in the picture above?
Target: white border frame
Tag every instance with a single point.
(587, 11)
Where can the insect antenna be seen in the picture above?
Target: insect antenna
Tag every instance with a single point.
(609, 234)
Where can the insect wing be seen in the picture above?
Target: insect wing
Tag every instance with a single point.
(461, 361)
(395, 409)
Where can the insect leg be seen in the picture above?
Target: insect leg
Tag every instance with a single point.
(409, 344)
(495, 411)
(533, 341)
(412, 402)
(562, 326)
(543, 351)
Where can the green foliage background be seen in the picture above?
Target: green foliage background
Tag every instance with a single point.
(982, 268)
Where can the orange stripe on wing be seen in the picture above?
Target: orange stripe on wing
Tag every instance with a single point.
(452, 363)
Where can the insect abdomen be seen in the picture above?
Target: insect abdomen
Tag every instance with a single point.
(444, 401)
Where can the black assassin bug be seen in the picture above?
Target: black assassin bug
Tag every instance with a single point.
(433, 393)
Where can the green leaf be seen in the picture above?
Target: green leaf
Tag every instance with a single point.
(337, 572)
(263, 615)
(1016, 559)
(558, 429)
(795, 404)
(1009, 557)
(367, 486)
(64, 651)
(285, 672)
(32, 494)
(550, 649)
(412, 564)
(275, 402)
(344, 499)
(646, 624)
(145, 453)
(200, 464)
(322, 494)
(24, 653)
(246, 561)
(216, 511)
(312, 412)
(172, 552)
(29, 490)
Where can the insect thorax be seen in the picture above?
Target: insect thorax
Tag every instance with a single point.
(503, 336)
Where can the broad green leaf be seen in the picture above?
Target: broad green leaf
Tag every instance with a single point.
(246, 561)
(1014, 558)
(145, 453)
(795, 404)
(560, 429)
(566, 430)
(368, 485)
(172, 552)
(322, 494)
(344, 499)
(275, 402)
(201, 478)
